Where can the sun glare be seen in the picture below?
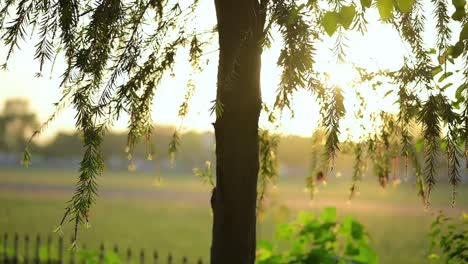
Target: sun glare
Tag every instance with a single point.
(378, 49)
(341, 75)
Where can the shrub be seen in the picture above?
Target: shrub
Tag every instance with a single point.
(321, 239)
(450, 237)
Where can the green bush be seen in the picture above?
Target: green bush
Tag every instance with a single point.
(321, 239)
(450, 237)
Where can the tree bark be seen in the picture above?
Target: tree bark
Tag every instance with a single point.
(240, 28)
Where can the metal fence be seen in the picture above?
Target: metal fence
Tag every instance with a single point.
(26, 249)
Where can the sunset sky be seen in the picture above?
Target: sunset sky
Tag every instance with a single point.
(379, 48)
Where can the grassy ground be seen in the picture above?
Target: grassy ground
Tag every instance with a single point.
(132, 212)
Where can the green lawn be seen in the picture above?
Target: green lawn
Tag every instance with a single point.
(176, 217)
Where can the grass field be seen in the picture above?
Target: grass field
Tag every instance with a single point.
(176, 217)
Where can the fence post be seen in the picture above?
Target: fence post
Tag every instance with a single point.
(101, 252)
(49, 251)
(26, 249)
(72, 251)
(5, 247)
(15, 249)
(36, 258)
(116, 251)
(155, 257)
(169, 259)
(36, 251)
(60, 250)
(142, 256)
(129, 255)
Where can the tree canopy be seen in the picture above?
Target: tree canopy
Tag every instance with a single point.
(118, 51)
(17, 122)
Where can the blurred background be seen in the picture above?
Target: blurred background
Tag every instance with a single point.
(165, 207)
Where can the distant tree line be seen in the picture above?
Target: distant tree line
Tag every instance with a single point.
(297, 156)
(18, 121)
(195, 148)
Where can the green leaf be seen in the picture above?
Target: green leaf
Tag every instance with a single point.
(293, 16)
(346, 15)
(419, 145)
(352, 228)
(445, 76)
(26, 160)
(442, 59)
(385, 8)
(351, 249)
(464, 33)
(265, 245)
(459, 3)
(387, 93)
(446, 86)
(459, 92)
(328, 214)
(357, 230)
(459, 14)
(433, 257)
(436, 71)
(367, 255)
(284, 231)
(304, 217)
(366, 4)
(443, 145)
(330, 22)
(405, 5)
(456, 50)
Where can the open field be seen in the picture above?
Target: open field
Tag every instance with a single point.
(132, 211)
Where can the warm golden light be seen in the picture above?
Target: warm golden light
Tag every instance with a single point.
(378, 49)
(341, 75)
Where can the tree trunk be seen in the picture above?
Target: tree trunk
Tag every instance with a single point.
(240, 27)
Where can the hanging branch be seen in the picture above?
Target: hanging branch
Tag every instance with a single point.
(318, 164)
(442, 26)
(452, 147)
(115, 60)
(91, 165)
(420, 184)
(411, 26)
(59, 106)
(45, 47)
(333, 111)
(357, 169)
(430, 120)
(268, 169)
(195, 54)
(405, 117)
(296, 57)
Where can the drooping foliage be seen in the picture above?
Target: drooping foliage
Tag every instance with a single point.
(118, 51)
(424, 83)
(116, 54)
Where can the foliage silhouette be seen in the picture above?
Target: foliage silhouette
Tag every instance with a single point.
(117, 53)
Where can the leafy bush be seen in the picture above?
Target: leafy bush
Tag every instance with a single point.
(450, 237)
(321, 239)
